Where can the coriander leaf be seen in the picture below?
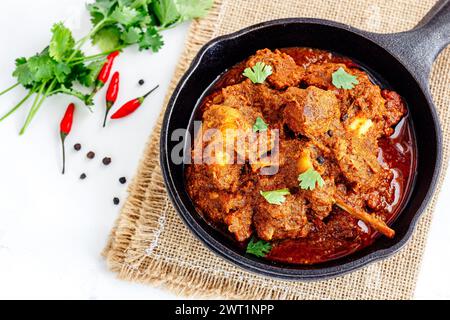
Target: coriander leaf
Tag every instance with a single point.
(166, 11)
(76, 68)
(20, 61)
(42, 67)
(151, 40)
(89, 74)
(147, 21)
(309, 179)
(107, 38)
(260, 125)
(100, 9)
(131, 36)
(62, 42)
(189, 9)
(23, 73)
(344, 80)
(125, 15)
(258, 73)
(258, 248)
(275, 196)
(61, 71)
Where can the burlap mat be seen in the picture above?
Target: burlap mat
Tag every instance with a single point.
(151, 244)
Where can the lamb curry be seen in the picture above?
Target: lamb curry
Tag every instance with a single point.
(334, 163)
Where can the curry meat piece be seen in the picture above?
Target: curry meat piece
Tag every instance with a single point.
(310, 112)
(321, 200)
(333, 131)
(228, 207)
(214, 183)
(364, 102)
(256, 96)
(274, 222)
(285, 72)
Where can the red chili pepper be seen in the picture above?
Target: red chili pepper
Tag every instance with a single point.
(111, 94)
(131, 106)
(103, 76)
(64, 129)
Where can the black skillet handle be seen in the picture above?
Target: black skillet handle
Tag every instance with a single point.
(419, 47)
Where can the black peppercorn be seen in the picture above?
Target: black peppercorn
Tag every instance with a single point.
(330, 133)
(344, 117)
(106, 161)
(320, 160)
(90, 155)
(77, 146)
(116, 201)
(141, 82)
(83, 176)
(123, 180)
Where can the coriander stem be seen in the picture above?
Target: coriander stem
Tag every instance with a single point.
(9, 89)
(102, 54)
(34, 109)
(93, 57)
(97, 27)
(36, 100)
(73, 93)
(94, 30)
(17, 106)
(96, 56)
(163, 28)
(70, 93)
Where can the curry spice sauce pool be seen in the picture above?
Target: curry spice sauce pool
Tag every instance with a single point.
(365, 158)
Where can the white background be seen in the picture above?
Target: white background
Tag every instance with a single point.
(53, 227)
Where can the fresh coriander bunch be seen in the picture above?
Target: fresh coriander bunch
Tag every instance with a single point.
(62, 66)
(54, 70)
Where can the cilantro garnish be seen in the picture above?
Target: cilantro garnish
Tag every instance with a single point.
(258, 248)
(260, 125)
(258, 73)
(344, 80)
(309, 179)
(276, 196)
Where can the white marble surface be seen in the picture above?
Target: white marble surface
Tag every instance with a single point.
(53, 227)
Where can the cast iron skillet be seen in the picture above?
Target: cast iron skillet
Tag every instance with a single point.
(403, 59)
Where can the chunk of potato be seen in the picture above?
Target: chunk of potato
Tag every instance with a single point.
(304, 162)
(361, 125)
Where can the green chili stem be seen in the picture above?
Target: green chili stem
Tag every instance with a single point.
(63, 138)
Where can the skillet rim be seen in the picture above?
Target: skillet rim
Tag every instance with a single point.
(258, 267)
